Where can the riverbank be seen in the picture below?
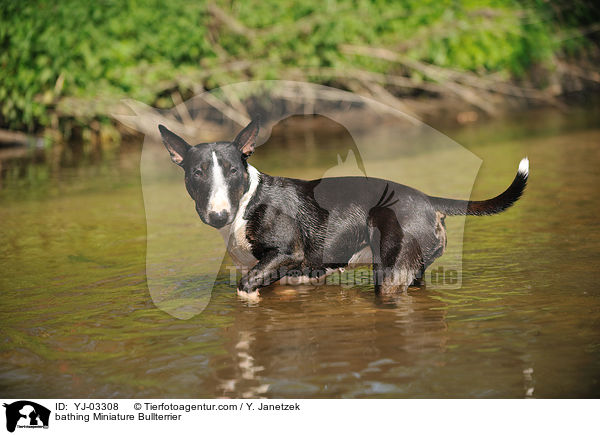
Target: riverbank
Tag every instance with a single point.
(66, 65)
(435, 110)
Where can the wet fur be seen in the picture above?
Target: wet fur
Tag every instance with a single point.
(280, 227)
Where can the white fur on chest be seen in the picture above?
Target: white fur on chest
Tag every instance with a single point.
(234, 235)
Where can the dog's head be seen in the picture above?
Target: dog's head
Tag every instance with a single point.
(216, 174)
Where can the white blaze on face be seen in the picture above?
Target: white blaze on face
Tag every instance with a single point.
(219, 196)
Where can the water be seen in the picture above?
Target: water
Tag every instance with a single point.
(77, 319)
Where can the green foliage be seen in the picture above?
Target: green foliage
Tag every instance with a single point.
(145, 50)
(97, 47)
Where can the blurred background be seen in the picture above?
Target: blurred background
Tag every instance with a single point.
(502, 78)
(64, 64)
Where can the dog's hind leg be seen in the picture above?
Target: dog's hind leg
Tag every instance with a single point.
(436, 251)
(396, 256)
(394, 274)
(419, 280)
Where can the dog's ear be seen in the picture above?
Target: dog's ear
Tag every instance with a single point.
(246, 140)
(176, 146)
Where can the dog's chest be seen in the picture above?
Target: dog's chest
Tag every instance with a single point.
(238, 246)
(234, 235)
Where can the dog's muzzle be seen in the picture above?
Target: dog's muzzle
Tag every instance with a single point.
(217, 219)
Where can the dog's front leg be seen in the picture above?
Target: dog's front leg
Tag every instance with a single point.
(271, 267)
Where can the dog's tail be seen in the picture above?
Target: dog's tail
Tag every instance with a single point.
(454, 207)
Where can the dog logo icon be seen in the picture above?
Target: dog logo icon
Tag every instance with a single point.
(26, 414)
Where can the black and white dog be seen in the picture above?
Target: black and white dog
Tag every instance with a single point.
(280, 227)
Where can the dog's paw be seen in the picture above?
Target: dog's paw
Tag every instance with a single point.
(251, 297)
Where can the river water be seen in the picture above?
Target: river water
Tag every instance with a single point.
(77, 319)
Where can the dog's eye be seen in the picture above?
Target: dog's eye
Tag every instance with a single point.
(233, 170)
(197, 172)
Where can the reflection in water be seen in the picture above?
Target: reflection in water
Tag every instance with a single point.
(329, 340)
(246, 369)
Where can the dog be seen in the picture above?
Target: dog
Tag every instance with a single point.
(280, 227)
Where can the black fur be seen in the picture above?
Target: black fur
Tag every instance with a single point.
(453, 207)
(298, 227)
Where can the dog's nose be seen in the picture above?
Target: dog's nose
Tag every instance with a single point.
(219, 219)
